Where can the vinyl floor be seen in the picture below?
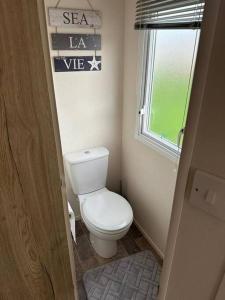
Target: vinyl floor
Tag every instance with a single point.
(86, 258)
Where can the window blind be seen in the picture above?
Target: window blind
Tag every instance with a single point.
(169, 14)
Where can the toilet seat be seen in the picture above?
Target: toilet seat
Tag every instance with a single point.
(107, 212)
(111, 234)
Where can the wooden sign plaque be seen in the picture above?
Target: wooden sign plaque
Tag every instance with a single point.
(66, 17)
(69, 41)
(77, 63)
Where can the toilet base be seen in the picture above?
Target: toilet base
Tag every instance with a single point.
(104, 248)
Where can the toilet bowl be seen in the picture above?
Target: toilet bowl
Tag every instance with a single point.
(107, 215)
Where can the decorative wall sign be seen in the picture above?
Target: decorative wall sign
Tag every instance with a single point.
(66, 17)
(69, 41)
(77, 63)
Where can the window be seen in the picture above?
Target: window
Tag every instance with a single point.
(168, 65)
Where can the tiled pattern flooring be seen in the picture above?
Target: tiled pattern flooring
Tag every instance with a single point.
(86, 258)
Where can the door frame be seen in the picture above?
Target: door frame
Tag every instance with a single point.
(206, 43)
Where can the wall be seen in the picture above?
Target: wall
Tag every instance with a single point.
(148, 177)
(89, 104)
(198, 254)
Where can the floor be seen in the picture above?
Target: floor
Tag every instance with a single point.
(86, 258)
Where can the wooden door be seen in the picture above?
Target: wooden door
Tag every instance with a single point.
(34, 250)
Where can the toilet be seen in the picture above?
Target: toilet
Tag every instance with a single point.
(107, 215)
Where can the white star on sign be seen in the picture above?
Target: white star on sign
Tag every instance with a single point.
(94, 64)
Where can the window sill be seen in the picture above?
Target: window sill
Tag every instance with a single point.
(170, 154)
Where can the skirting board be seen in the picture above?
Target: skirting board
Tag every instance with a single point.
(149, 239)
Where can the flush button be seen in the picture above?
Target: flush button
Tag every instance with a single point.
(87, 152)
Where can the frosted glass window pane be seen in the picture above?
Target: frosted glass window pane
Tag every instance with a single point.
(174, 51)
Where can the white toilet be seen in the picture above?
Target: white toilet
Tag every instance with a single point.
(107, 215)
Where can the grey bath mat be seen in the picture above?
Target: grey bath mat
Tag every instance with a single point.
(135, 277)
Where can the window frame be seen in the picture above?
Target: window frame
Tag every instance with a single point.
(146, 72)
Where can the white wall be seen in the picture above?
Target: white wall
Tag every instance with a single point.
(148, 177)
(89, 104)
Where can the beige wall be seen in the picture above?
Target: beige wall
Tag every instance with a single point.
(148, 177)
(89, 104)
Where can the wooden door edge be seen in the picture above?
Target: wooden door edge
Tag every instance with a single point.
(46, 52)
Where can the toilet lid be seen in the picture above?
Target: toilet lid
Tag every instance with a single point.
(107, 211)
